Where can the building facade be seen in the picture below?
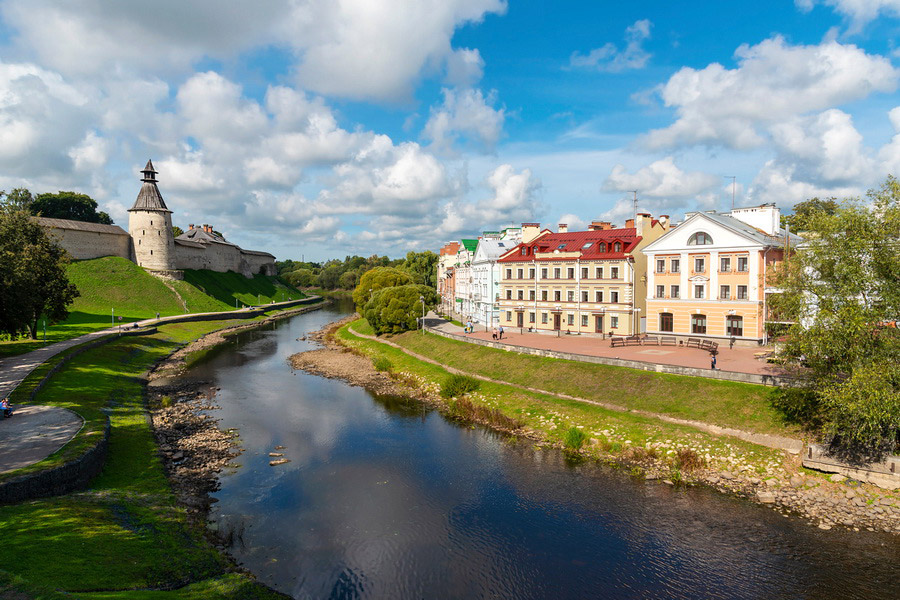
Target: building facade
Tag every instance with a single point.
(464, 290)
(485, 272)
(708, 276)
(585, 282)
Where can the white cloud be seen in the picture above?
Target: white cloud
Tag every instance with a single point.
(780, 183)
(91, 154)
(466, 113)
(573, 222)
(889, 155)
(464, 67)
(860, 12)
(612, 60)
(514, 198)
(773, 82)
(661, 179)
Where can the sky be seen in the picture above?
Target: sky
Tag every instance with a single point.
(317, 129)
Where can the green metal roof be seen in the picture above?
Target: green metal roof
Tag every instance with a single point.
(470, 245)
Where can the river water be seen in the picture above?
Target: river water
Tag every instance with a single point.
(383, 499)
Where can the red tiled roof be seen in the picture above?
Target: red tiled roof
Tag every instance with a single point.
(576, 241)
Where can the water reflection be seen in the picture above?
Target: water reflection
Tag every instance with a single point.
(385, 499)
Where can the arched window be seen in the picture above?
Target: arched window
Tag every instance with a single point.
(701, 238)
(666, 322)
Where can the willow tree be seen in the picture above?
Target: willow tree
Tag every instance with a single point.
(842, 289)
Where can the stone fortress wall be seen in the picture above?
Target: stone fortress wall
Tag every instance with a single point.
(151, 244)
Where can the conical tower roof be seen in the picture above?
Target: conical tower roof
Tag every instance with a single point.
(149, 197)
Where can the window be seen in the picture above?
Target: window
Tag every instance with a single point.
(674, 292)
(544, 273)
(614, 297)
(543, 295)
(584, 296)
(520, 295)
(614, 272)
(742, 292)
(725, 264)
(599, 296)
(660, 265)
(602, 247)
(588, 245)
(698, 292)
(530, 273)
(584, 272)
(742, 264)
(676, 265)
(584, 320)
(618, 246)
(509, 315)
(698, 323)
(556, 273)
(699, 265)
(557, 296)
(570, 273)
(734, 326)
(544, 318)
(531, 295)
(509, 294)
(570, 296)
(520, 273)
(660, 291)
(570, 319)
(531, 317)
(561, 247)
(599, 272)
(509, 273)
(613, 322)
(524, 250)
(724, 292)
(701, 238)
(666, 322)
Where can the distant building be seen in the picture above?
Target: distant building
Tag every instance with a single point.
(579, 282)
(150, 241)
(708, 276)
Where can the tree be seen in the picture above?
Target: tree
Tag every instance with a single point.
(842, 289)
(804, 212)
(69, 205)
(422, 266)
(301, 278)
(377, 279)
(396, 309)
(348, 280)
(33, 280)
(176, 230)
(19, 199)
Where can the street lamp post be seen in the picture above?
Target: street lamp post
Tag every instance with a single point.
(422, 300)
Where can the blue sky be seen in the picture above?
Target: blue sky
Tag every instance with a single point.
(322, 128)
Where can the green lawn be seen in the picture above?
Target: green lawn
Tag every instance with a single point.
(126, 532)
(115, 290)
(725, 403)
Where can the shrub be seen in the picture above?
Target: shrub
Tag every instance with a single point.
(688, 460)
(397, 309)
(166, 401)
(464, 409)
(574, 439)
(456, 385)
(382, 363)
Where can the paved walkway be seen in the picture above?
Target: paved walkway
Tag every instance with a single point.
(33, 433)
(740, 359)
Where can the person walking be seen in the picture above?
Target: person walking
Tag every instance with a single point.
(6, 408)
(712, 362)
(500, 333)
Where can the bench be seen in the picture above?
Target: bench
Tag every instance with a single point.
(631, 340)
(668, 340)
(693, 342)
(651, 340)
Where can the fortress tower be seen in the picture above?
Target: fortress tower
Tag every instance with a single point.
(150, 226)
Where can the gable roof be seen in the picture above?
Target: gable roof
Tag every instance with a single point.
(492, 248)
(745, 230)
(79, 226)
(592, 244)
(198, 234)
(470, 245)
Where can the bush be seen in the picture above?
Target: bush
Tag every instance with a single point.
(382, 364)
(688, 460)
(574, 439)
(376, 279)
(457, 385)
(396, 309)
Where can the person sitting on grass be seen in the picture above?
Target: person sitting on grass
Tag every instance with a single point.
(7, 409)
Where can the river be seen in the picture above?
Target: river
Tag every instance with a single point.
(385, 499)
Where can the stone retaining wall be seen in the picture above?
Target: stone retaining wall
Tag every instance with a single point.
(64, 479)
(885, 474)
(618, 362)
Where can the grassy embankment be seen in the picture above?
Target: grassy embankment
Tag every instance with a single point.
(126, 533)
(112, 283)
(617, 433)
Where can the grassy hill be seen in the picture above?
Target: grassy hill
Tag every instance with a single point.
(113, 287)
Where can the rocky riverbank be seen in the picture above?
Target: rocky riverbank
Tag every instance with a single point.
(784, 485)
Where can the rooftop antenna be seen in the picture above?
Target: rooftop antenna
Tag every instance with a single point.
(635, 204)
(733, 179)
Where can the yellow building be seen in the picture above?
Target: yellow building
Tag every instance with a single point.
(708, 276)
(591, 282)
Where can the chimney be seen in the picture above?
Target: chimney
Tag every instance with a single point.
(629, 224)
(191, 226)
(644, 223)
(530, 231)
(563, 228)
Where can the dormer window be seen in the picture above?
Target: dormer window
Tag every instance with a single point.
(602, 247)
(701, 238)
(618, 246)
(524, 250)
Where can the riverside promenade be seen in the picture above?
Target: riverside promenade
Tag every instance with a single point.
(740, 359)
(34, 432)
